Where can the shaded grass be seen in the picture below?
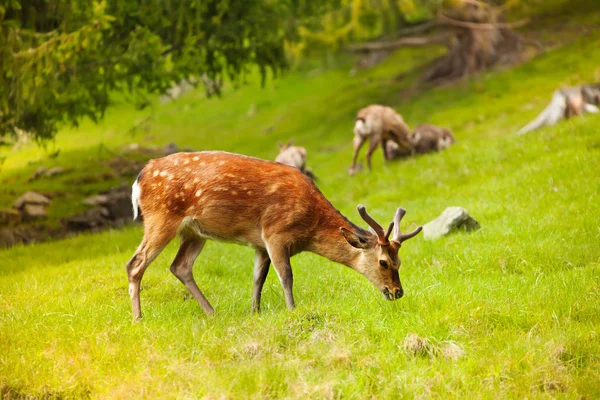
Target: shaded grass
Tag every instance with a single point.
(520, 297)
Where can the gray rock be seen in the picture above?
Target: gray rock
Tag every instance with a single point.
(97, 200)
(90, 219)
(453, 218)
(55, 171)
(30, 198)
(170, 148)
(119, 205)
(38, 172)
(33, 212)
(7, 238)
(9, 217)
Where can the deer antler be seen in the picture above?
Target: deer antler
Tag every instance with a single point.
(381, 235)
(400, 237)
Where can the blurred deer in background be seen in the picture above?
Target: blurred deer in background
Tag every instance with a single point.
(379, 124)
(567, 103)
(425, 138)
(266, 205)
(294, 156)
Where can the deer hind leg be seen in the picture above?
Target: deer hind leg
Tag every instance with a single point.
(261, 269)
(183, 264)
(156, 237)
(280, 257)
(372, 147)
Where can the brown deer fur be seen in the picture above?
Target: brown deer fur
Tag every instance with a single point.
(427, 137)
(269, 206)
(379, 124)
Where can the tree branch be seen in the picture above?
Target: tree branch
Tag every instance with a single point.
(444, 19)
(441, 38)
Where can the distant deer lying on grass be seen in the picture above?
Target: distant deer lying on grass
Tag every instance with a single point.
(269, 206)
(425, 138)
(567, 103)
(379, 124)
(294, 156)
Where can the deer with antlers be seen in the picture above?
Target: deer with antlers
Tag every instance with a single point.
(379, 124)
(269, 206)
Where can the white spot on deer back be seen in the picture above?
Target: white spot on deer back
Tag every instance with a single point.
(273, 188)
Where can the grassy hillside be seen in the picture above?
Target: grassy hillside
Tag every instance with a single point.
(512, 310)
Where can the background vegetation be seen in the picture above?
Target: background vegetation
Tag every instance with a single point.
(512, 310)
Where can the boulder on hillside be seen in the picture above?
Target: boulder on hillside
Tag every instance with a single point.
(453, 218)
(116, 201)
(96, 200)
(55, 171)
(38, 172)
(170, 148)
(7, 238)
(32, 212)
(31, 198)
(93, 218)
(10, 217)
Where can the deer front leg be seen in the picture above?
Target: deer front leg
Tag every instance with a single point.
(261, 269)
(358, 143)
(280, 258)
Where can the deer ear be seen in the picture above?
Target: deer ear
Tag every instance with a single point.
(290, 142)
(279, 144)
(354, 240)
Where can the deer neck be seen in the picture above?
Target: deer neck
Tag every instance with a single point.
(329, 242)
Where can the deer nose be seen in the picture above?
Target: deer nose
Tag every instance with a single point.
(398, 293)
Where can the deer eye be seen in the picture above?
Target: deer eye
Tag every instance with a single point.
(383, 263)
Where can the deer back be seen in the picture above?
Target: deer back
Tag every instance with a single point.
(229, 197)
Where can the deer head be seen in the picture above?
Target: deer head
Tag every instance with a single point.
(378, 260)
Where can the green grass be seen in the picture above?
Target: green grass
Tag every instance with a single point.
(519, 299)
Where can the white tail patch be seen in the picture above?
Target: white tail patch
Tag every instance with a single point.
(136, 192)
(362, 128)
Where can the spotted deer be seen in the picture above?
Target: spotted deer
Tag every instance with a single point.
(379, 124)
(269, 206)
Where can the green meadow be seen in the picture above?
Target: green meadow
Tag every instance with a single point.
(509, 311)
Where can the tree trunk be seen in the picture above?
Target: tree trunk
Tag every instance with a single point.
(481, 40)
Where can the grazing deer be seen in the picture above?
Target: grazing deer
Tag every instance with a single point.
(425, 138)
(379, 124)
(266, 205)
(567, 103)
(294, 156)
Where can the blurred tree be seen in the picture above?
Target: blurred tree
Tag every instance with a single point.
(60, 59)
(474, 32)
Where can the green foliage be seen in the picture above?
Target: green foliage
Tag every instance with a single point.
(61, 60)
